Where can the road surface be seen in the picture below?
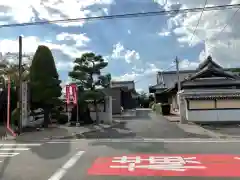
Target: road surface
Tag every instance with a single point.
(145, 147)
(94, 160)
(144, 125)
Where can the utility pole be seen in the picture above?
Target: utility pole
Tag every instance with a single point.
(178, 77)
(20, 81)
(182, 118)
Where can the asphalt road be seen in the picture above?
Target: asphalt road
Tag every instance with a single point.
(144, 147)
(74, 160)
(145, 125)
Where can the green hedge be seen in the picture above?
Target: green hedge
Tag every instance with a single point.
(151, 104)
(15, 117)
(62, 118)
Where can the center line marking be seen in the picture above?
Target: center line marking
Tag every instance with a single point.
(63, 170)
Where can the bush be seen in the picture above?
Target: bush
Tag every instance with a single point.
(151, 104)
(15, 118)
(62, 118)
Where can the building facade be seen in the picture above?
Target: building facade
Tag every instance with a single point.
(211, 94)
(123, 94)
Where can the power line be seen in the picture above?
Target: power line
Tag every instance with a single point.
(198, 21)
(127, 15)
(223, 29)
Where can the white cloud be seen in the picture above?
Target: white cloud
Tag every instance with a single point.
(186, 65)
(136, 74)
(23, 11)
(31, 43)
(80, 39)
(119, 52)
(223, 47)
(164, 32)
(131, 55)
(118, 49)
(64, 66)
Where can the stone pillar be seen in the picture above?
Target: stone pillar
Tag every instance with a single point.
(108, 101)
(182, 109)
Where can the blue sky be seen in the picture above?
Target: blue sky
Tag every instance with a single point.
(136, 48)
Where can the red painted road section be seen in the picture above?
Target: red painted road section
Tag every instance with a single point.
(198, 165)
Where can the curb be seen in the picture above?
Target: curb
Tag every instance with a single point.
(211, 133)
(81, 135)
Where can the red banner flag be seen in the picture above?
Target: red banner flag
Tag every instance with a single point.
(74, 92)
(67, 94)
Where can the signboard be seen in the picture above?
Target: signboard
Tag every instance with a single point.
(24, 104)
(202, 165)
(71, 93)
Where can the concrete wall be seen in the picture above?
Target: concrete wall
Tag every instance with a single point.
(115, 93)
(213, 115)
(220, 110)
(105, 116)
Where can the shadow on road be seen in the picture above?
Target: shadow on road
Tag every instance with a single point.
(118, 131)
(46, 151)
(6, 162)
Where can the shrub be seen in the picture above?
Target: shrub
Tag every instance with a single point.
(151, 104)
(62, 119)
(15, 117)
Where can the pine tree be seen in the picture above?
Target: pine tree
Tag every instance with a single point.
(86, 67)
(44, 81)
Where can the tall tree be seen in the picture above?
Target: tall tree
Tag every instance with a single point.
(86, 68)
(44, 81)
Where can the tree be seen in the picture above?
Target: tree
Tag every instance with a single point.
(86, 68)
(143, 99)
(11, 69)
(44, 81)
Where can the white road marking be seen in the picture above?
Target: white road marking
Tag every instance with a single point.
(63, 170)
(60, 142)
(185, 140)
(8, 154)
(149, 140)
(30, 144)
(14, 149)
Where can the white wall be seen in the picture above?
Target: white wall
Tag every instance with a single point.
(106, 116)
(213, 115)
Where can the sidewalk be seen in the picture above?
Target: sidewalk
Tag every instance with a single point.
(173, 117)
(62, 132)
(191, 127)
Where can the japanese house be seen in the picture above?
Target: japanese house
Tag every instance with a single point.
(123, 95)
(210, 93)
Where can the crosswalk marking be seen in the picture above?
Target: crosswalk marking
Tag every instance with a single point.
(16, 148)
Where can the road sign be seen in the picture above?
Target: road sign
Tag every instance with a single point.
(202, 165)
